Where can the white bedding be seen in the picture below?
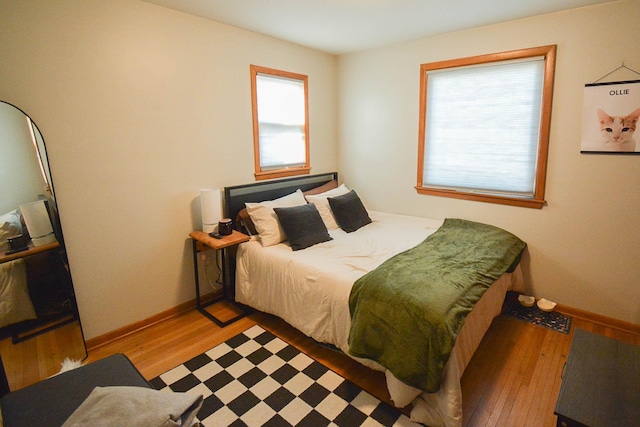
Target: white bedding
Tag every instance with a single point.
(309, 289)
(15, 303)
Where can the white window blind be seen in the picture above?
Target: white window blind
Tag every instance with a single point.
(281, 121)
(482, 127)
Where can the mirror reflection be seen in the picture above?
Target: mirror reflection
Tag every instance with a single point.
(39, 322)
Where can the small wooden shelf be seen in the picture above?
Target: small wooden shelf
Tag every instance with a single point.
(204, 241)
(31, 250)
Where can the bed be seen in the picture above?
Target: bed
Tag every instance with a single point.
(311, 288)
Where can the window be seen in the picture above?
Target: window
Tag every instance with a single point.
(484, 127)
(280, 123)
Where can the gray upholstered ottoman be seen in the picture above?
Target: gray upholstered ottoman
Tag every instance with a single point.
(50, 402)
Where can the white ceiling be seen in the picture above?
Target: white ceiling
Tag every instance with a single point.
(344, 26)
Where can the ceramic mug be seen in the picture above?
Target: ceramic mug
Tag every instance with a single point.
(225, 226)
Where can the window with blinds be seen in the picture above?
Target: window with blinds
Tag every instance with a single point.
(280, 123)
(484, 127)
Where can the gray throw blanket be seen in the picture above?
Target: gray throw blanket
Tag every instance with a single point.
(136, 406)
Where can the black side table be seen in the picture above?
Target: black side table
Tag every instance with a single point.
(600, 383)
(202, 241)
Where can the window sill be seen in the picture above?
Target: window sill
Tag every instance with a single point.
(502, 200)
(281, 173)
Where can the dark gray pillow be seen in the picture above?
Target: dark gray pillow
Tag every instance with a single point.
(349, 212)
(303, 226)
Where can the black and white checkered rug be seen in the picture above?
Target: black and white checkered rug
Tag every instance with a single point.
(257, 379)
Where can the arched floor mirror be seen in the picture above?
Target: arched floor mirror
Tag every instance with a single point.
(39, 321)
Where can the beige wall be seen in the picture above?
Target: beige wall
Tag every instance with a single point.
(583, 246)
(140, 107)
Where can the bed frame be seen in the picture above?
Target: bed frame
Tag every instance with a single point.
(236, 196)
(431, 408)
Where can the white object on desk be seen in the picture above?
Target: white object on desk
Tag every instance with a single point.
(36, 217)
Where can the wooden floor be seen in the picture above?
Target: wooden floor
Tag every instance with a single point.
(39, 357)
(513, 379)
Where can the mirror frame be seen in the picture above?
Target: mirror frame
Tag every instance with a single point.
(47, 329)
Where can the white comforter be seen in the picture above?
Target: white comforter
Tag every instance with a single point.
(309, 289)
(15, 303)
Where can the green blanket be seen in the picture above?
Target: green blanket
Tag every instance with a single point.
(407, 313)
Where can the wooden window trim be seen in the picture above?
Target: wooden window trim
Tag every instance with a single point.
(538, 201)
(284, 172)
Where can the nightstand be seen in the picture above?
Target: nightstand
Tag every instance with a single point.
(201, 242)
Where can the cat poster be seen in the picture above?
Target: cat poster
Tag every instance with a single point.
(610, 116)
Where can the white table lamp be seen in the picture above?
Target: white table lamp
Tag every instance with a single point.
(36, 218)
(211, 208)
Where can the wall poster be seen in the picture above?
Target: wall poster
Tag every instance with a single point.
(610, 116)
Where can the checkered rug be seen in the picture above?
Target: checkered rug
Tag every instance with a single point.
(257, 379)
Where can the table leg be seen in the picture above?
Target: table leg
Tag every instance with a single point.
(225, 279)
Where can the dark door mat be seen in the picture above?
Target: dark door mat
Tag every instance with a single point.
(551, 320)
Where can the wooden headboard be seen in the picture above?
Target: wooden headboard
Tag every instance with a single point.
(236, 196)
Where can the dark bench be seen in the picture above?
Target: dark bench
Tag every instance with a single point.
(600, 383)
(50, 402)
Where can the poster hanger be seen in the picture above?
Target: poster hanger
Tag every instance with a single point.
(613, 71)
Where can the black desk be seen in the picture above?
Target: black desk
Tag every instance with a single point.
(600, 383)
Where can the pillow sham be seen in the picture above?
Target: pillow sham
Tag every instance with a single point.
(303, 226)
(10, 226)
(349, 211)
(321, 189)
(265, 220)
(244, 220)
(322, 203)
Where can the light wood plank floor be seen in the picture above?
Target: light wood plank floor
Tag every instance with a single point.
(39, 357)
(513, 379)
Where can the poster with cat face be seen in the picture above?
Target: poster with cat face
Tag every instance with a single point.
(610, 117)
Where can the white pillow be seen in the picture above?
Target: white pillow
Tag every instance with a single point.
(9, 226)
(322, 204)
(266, 221)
